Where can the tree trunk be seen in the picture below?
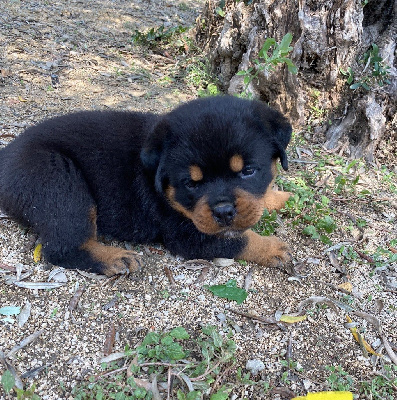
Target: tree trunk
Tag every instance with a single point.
(329, 36)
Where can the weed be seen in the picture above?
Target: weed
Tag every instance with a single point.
(382, 386)
(267, 62)
(198, 75)
(290, 366)
(267, 224)
(339, 380)
(305, 207)
(155, 35)
(192, 364)
(8, 384)
(378, 72)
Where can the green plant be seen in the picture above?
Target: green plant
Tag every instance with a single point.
(378, 71)
(154, 35)
(268, 61)
(306, 207)
(381, 387)
(193, 363)
(198, 75)
(267, 224)
(338, 379)
(229, 291)
(8, 384)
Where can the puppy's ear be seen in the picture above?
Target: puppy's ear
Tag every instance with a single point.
(152, 153)
(278, 128)
(153, 146)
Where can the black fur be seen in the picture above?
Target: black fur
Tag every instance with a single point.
(121, 164)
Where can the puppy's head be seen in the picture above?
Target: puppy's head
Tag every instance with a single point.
(215, 158)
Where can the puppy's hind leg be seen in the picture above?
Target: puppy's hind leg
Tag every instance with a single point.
(56, 201)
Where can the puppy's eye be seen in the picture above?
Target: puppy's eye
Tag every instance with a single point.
(247, 171)
(191, 185)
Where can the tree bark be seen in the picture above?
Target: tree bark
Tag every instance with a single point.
(328, 37)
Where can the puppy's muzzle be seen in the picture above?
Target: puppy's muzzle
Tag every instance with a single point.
(224, 214)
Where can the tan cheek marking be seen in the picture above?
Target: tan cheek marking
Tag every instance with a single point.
(195, 173)
(201, 216)
(249, 209)
(264, 250)
(170, 194)
(236, 163)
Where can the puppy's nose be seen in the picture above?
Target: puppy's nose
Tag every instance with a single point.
(224, 213)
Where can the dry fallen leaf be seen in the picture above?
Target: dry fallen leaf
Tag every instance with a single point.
(346, 286)
(24, 314)
(76, 298)
(359, 339)
(290, 319)
(37, 253)
(109, 341)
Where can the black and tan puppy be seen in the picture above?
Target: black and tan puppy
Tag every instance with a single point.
(195, 179)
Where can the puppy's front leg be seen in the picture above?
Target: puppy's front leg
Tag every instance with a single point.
(264, 250)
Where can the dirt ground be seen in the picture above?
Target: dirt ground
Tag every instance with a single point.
(56, 58)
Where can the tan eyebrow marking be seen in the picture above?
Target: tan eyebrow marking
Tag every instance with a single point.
(236, 163)
(195, 173)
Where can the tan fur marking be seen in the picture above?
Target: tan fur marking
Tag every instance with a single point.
(201, 215)
(249, 210)
(116, 260)
(264, 250)
(236, 163)
(195, 173)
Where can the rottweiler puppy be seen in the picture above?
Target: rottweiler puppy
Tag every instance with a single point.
(195, 179)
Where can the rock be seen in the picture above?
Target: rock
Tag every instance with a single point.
(255, 366)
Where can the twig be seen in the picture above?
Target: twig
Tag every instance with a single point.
(169, 275)
(265, 320)
(303, 161)
(219, 377)
(333, 287)
(365, 257)
(207, 372)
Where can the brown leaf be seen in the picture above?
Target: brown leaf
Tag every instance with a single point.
(76, 298)
(109, 341)
(169, 275)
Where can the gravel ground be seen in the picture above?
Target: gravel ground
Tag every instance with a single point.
(86, 47)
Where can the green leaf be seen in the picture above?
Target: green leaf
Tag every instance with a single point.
(269, 42)
(355, 85)
(311, 231)
(174, 351)
(151, 338)
(10, 310)
(229, 291)
(285, 42)
(7, 381)
(167, 340)
(365, 86)
(179, 333)
(247, 79)
(220, 12)
(327, 224)
(221, 394)
(194, 395)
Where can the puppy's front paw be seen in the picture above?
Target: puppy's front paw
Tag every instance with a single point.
(114, 260)
(268, 251)
(121, 262)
